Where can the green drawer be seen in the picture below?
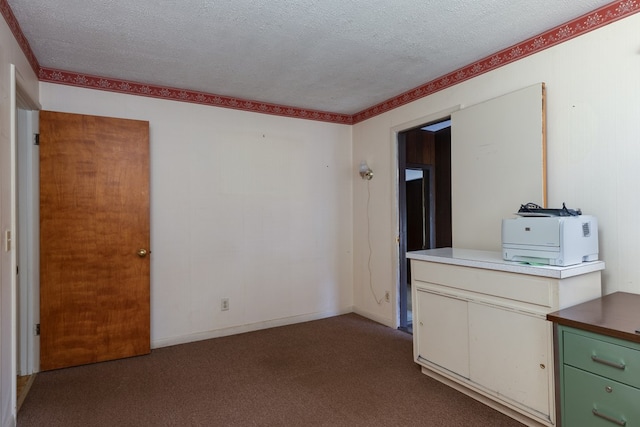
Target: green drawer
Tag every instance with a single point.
(593, 401)
(604, 358)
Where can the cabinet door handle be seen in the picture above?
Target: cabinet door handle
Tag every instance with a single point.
(608, 363)
(608, 418)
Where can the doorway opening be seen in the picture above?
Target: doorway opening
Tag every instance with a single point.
(424, 200)
(27, 348)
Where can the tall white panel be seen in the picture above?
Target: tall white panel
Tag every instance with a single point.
(497, 163)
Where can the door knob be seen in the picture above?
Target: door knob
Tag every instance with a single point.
(142, 252)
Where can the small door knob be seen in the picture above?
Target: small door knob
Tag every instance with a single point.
(142, 252)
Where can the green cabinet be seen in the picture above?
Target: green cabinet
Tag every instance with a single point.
(599, 379)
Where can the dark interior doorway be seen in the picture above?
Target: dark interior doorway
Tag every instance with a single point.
(424, 205)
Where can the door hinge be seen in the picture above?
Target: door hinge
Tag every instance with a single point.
(36, 329)
(36, 139)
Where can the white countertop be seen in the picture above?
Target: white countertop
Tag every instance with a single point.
(493, 261)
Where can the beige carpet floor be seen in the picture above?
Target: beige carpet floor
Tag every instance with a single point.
(341, 371)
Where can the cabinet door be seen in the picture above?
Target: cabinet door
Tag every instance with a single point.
(442, 332)
(510, 354)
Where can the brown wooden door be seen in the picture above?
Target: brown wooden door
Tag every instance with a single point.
(94, 218)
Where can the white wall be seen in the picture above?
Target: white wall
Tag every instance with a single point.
(10, 53)
(245, 206)
(593, 151)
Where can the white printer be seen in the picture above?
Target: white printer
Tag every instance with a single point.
(551, 240)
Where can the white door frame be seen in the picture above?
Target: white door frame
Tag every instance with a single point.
(395, 213)
(18, 100)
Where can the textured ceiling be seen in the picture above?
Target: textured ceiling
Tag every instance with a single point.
(330, 55)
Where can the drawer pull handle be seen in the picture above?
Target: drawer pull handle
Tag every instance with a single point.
(608, 418)
(606, 362)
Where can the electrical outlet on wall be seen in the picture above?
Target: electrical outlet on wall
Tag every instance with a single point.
(224, 304)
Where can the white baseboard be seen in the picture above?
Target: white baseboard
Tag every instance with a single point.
(234, 330)
(382, 320)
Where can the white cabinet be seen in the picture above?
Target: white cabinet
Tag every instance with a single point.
(480, 325)
(442, 333)
(517, 368)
